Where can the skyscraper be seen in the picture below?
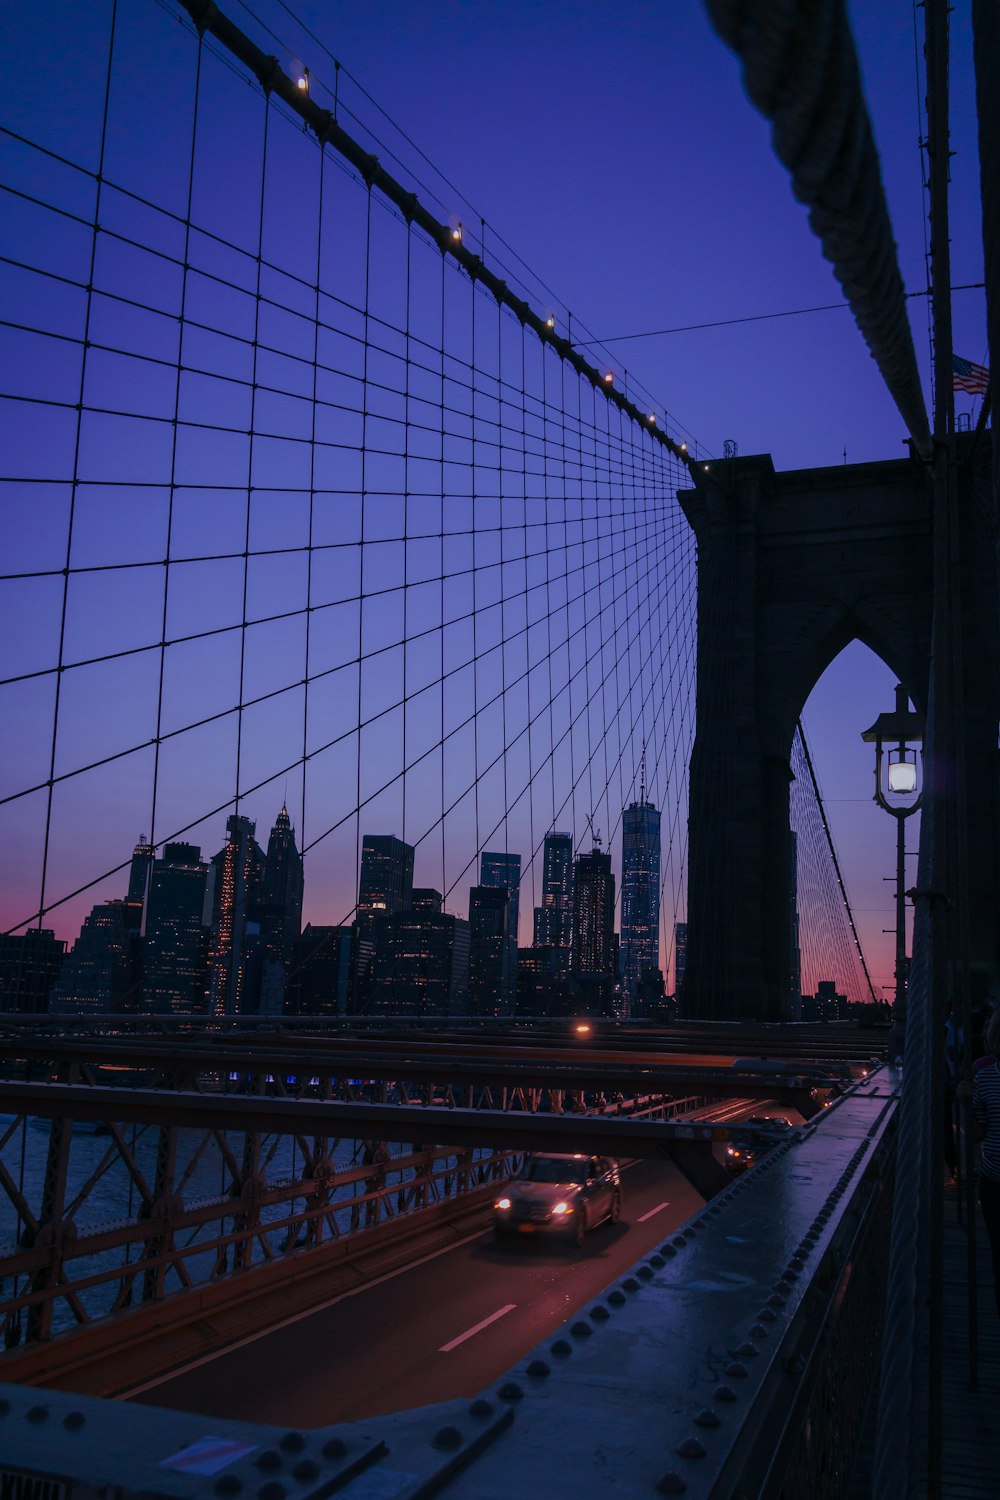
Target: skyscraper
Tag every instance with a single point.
(175, 967)
(138, 875)
(553, 927)
(386, 881)
(640, 928)
(279, 912)
(29, 966)
(422, 963)
(101, 972)
(321, 973)
(504, 871)
(680, 958)
(235, 878)
(492, 974)
(594, 914)
(385, 885)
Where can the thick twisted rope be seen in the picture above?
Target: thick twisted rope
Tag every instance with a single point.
(801, 71)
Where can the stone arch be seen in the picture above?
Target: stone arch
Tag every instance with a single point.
(791, 568)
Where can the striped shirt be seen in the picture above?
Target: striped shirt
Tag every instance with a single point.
(986, 1111)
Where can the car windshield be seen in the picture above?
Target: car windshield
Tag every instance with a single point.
(554, 1169)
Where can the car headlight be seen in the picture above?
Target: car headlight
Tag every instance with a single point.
(502, 1203)
(561, 1208)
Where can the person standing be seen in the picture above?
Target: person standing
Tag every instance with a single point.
(984, 1092)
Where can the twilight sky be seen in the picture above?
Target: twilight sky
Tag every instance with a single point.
(613, 149)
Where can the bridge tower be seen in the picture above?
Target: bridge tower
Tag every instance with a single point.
(791, 568)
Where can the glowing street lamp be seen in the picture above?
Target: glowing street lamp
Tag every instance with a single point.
(898, 738)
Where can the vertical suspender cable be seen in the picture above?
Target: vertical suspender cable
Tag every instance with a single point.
(75, 479)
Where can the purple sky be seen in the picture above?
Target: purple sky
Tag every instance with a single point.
(613, 148)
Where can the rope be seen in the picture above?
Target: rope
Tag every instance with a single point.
(801, 71)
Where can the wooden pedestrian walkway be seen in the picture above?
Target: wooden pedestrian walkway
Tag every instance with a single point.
(970, 1425)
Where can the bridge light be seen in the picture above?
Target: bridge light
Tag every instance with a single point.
(684, 447)
(608, 377)
(550, 321)
(898, 737)
(302, 82)
(652, 419)
(903, 774)
(456, 234)
(706, 468)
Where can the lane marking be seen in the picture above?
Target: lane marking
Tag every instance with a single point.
(643, 1217)
(309, 1312)
(299, 1317)
(478, 1328)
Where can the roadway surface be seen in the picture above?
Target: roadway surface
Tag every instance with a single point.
(439, 1329)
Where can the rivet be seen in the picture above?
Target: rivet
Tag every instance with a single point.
(38, 1414)
(306, 1468)
(679, 1240)
(630, 1284)
(748, 1350)
(510, 1391)
(776, 1300)
(616, 1298)
(74, 1420)
(668, 1250)
(690, 1448)
(670, 1483)
(736, 1371)
(783, 1286)
(656, 1260)
(448, 1438)
(335, 1448)
(758, 1331)
(481, 1408)
(581, 1330)
(708, 1418)
(723, 1393)
(538, 1367)
(767, 1315)
(292, 1442)
(228, 1484)
(600, 1313)
(700, 1223)
(561, 1348)
(268, 1459)
(646, 1272)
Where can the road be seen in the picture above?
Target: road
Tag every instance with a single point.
(439, 1329)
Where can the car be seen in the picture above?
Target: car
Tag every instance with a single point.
(775, 1125)
(745, 1151)
(741, 1155)
(559, 1194)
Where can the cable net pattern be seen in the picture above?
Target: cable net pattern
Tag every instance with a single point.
(297, 512)
(826, 946)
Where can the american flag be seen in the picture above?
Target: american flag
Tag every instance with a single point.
(975, 379)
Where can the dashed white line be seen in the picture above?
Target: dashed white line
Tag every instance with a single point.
(643, 1217)
(299, 1317)
(501, 1312)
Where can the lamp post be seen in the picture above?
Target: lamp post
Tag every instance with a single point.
(898, 738)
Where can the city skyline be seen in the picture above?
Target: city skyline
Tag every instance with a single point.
(224, 935)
